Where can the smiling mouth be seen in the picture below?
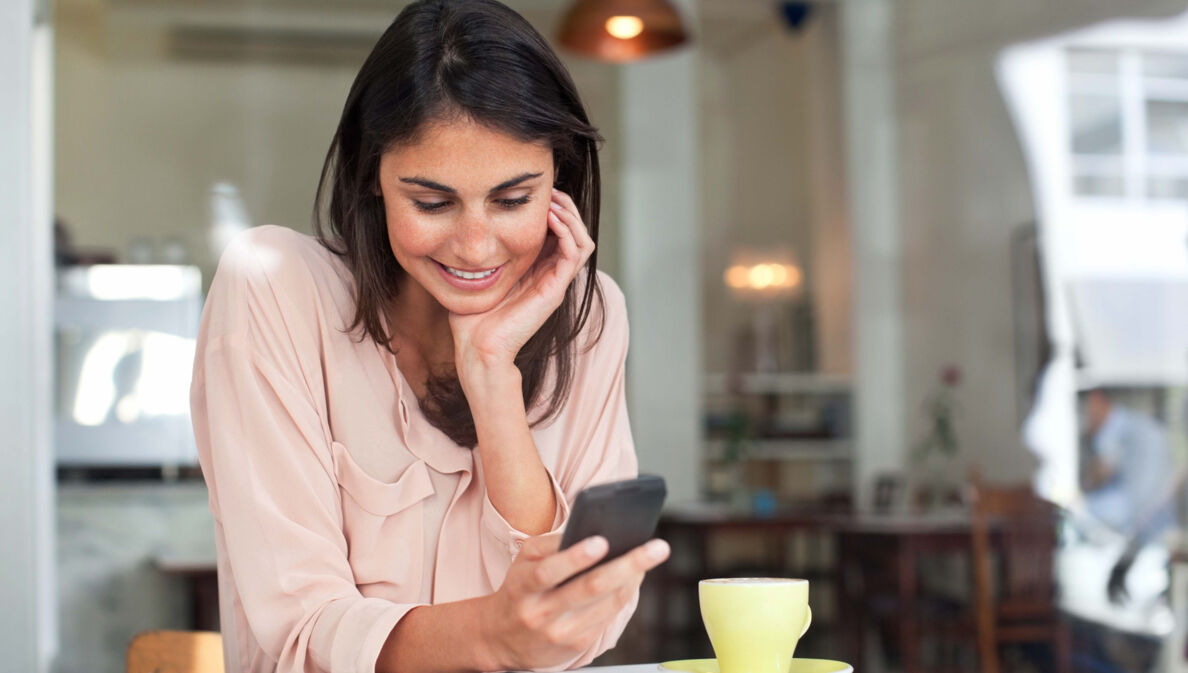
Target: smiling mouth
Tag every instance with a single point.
(468, 275)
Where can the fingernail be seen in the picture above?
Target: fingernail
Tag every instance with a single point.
(657, 549)
(554, 205)
(595, 545)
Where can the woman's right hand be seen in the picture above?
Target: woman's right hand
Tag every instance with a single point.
(534, 622)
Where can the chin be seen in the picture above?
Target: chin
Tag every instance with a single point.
(470, 305)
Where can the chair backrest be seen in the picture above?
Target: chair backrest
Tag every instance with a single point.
(175, 652)
(1024, 525)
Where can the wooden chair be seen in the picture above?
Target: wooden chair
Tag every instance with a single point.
(175, 652)
(1016, 604)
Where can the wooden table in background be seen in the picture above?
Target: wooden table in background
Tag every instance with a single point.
(865, 545)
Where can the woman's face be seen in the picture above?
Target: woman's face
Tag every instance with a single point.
(466, 208)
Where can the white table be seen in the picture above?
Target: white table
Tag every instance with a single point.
(637, 668)
(632, 668)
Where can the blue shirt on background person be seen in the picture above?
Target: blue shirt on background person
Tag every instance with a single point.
(1134, 465)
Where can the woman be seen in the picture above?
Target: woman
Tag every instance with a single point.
(393, 417)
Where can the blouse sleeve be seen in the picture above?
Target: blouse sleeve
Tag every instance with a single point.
(600, 434)
(265, 456)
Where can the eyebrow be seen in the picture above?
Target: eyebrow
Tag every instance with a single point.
(437, 186)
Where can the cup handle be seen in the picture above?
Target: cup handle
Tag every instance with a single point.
(808, 619)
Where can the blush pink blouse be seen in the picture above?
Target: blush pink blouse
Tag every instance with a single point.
(337, 507)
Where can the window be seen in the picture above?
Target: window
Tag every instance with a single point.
(1128, 123)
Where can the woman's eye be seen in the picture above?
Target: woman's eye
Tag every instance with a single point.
(431, 207)
(514, 203)
(438, 206)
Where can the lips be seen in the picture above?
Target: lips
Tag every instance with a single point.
(472, 281)
(470, 275)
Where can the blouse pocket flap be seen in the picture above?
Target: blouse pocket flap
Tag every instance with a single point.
(375, 496)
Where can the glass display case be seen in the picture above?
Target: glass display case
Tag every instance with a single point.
(125, 337)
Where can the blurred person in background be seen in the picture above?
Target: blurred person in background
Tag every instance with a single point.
(1130, 480)
(1130, 466)
(393, 415)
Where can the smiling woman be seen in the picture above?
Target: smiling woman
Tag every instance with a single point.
(425, 95)
(393, 417)
(463, 247)
(483, 234)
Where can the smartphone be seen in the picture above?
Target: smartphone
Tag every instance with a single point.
(624, 512)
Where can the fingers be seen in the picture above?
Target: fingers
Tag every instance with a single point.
(569, 215)
(565, 241)
(556, 568)
(626, 570)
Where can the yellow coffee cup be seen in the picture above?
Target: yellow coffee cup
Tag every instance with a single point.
(754, 623)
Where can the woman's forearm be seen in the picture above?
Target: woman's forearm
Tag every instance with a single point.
(516, 479)
(442, 638)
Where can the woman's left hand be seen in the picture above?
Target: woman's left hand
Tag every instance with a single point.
(493, 338)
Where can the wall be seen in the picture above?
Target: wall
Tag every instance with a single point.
(142, 137)
(755, 133)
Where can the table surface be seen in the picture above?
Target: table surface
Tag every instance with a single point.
(631, 668)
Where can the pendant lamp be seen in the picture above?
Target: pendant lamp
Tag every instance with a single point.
(621, 30)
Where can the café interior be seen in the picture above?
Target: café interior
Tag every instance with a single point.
(906, 279)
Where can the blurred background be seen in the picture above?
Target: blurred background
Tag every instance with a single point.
(908, 283)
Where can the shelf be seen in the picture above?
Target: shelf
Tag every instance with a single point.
(787, 449)
(781, 383)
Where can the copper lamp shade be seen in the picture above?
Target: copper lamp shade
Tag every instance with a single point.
(621, 30)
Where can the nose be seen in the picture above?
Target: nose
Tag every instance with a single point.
(474, 240)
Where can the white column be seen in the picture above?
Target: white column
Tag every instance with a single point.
(868, 58)
(660, 259)
(27, 603)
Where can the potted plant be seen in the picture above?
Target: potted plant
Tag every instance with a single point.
(933, 455)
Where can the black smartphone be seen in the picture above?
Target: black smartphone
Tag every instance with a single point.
(624, 512)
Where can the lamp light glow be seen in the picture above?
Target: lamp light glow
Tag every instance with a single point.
(761, 276)
(738, 276)
(620, 31)
(764, 277)
(794, 276)
(624, 27)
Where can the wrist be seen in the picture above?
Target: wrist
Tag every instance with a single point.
(480, 377)
(444, 638)
(489, 652)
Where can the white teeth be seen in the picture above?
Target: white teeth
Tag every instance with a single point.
(468, 275)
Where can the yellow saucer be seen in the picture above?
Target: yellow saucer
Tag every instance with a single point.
(798, 666)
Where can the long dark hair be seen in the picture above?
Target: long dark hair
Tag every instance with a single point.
(442, 59)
